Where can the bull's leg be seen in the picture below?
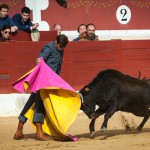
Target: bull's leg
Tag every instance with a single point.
(110, 111)
(146, 117)
(97, 113)
(92, 128)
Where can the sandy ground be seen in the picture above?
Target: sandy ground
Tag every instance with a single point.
(115, 138)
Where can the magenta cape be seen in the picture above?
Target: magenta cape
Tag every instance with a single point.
(41, 77)
(60, 100)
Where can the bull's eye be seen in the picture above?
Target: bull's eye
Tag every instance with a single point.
(86, 89)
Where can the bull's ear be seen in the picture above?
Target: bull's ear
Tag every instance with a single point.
(86, 89)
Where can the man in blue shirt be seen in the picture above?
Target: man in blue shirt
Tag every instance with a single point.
(5, 19)
(23, 21)
(52, 53)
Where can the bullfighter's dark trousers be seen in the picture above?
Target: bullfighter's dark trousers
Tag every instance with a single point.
(39, 111)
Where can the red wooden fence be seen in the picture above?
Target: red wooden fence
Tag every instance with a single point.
(82, 60)
(25, 36)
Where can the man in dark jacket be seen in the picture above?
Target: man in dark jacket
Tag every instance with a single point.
(23, 22)
(52, 54)
(90, 35)
(5, 18)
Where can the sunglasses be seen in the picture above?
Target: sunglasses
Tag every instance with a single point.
(7, 32)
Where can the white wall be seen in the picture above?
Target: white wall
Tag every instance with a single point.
(12, 104)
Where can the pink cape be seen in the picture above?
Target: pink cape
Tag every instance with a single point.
(41, 77)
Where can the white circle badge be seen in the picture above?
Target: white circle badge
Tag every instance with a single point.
(123, 14)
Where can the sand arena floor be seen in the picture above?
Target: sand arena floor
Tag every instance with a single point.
(115, 138)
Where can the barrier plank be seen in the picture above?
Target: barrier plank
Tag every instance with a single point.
(82, 60)
(86, 59)
(5, 67)
(25, 36)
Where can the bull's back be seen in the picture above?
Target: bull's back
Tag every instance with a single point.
(132, 94)
(134, 99)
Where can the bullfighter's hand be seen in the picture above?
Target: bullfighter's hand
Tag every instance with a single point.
(38, 60)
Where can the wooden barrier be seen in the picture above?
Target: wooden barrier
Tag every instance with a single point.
(5, 69)
(82, 60)
(25, 36)
(135, 56)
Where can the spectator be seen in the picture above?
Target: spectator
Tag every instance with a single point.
(23, 21)
(5, 19)
(90, 35)
(5, 33)
(82, 32)
(58, 28)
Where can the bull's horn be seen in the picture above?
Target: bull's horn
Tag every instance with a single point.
(81, 97)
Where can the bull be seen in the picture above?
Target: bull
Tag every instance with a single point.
(114, 91)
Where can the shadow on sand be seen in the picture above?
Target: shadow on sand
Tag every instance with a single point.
(111, 133)
(102, 135)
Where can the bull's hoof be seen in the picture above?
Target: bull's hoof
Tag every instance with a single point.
(103, 129)
(138, 129)
(92, 133)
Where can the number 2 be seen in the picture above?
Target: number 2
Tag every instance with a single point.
(124, 13)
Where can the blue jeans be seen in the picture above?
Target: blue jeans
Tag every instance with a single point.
(39, 111)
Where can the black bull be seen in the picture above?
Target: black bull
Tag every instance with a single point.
(114, 91)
